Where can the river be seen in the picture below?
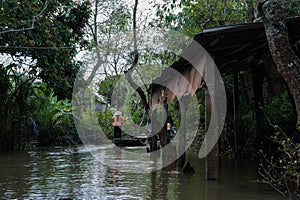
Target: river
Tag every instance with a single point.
(73, 173)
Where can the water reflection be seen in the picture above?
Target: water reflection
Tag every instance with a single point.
(73, 173)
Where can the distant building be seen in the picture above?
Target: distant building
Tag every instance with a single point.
(100, 103)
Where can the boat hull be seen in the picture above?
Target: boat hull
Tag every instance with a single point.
(130, 142)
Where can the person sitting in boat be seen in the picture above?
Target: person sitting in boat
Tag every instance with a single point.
(118, 118)
(171, 130)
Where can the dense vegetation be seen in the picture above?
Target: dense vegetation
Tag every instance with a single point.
(39, 41)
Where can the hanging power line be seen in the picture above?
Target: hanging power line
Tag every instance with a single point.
(24, 47)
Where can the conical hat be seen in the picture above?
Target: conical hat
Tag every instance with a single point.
(118, 113)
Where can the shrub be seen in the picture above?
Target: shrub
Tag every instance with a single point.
(282, 171)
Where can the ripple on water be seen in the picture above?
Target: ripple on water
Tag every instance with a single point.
(72, 172)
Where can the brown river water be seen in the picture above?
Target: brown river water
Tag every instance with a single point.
(73, 173)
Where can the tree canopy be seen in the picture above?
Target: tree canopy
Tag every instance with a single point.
(38, 43)
(43, 37)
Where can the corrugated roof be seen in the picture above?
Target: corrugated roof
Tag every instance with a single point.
(233, 47)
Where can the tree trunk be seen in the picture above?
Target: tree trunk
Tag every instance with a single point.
(287, 62)
(250, 9)
(8, 129)
(128, 73)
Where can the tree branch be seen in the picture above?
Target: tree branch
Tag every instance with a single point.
(135, 63)
(95, 40)
(32, 24)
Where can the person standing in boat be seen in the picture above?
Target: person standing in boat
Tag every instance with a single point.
(118, 118)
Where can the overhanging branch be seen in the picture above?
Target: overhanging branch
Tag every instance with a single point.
(32, 24)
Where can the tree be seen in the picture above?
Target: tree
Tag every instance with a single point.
(250, 10)
(46, 34)
(135, 61)
(39, 41)
(108, 28)
(287, 62)
(191, 17)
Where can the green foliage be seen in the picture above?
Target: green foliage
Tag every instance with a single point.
(174, 113)
(36, 117)
(280, 109)
(248, 118)
(135, 125)
(39, 40)
(291, 7)
(135, 114)
(4, 91)
(15, 107)
(191, 17)
(53, 117)
(46, 35)
(282, 170)
(106, 87)
(228, 152)
(109, 37)
(105, 121)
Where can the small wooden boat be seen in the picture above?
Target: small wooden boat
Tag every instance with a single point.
(130, 142)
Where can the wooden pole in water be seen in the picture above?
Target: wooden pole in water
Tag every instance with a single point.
(212, 156)
(182, 138)
(236, 111)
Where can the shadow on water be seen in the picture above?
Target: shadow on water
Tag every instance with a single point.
(71, 172)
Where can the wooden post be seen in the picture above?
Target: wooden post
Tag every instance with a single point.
(181, 160)
(212, 157)
(163, 133)
(236, 111)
